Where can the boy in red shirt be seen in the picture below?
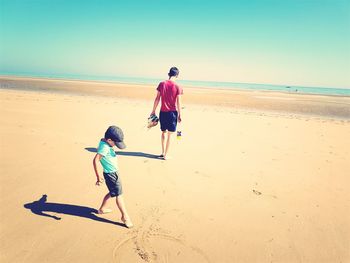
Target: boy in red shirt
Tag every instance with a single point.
(170, 112)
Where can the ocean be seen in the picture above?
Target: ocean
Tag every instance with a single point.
(195, 83)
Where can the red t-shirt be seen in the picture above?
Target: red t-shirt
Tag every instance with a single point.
(168, 93)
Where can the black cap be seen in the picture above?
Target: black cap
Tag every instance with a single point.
(174, 71)
(116, 135)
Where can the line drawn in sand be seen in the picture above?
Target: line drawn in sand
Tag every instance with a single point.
(150, 247)
(151, 244)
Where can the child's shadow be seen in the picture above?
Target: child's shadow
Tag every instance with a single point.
(41, 206)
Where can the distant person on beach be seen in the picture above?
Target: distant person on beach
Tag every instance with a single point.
(170, 112)
(107, 157)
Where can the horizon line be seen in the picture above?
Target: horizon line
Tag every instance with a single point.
(114, 79)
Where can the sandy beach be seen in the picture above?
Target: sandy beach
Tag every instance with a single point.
(256, 177)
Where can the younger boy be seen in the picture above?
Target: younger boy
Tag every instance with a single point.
(107, 157)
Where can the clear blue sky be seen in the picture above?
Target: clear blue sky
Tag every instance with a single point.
(291, 42)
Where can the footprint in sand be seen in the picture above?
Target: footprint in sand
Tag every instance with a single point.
(257, 192)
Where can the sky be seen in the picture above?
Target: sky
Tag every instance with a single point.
(286, 42)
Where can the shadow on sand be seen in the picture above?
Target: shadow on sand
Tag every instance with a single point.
(91, 149)
(41, 206)
(124, 153)
(138, 154)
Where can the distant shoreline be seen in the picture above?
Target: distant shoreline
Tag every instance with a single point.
(107, 82)
(289, 89)
(270, 101)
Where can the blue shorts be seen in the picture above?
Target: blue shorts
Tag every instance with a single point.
(113, 183)
(168, 120)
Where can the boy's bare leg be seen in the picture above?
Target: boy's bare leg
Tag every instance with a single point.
(125, 216)
(163, 142)
(102, 209)
(167, 144)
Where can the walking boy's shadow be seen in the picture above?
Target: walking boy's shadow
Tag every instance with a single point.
(138, 154)
(41, 206)
(91, 149)
(124, 153)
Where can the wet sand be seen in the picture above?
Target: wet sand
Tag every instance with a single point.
(306, 104)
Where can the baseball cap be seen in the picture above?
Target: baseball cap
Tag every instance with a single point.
(116, 135)
(174, 71)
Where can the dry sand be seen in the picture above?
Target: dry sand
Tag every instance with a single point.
(246, 183)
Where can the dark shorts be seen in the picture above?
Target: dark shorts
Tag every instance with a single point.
(168, 120)
(113, 183)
